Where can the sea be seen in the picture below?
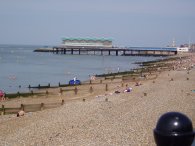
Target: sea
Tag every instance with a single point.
(20, 67)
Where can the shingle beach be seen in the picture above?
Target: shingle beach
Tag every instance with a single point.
(124, 119)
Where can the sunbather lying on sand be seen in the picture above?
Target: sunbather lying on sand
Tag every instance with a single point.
(128, 89)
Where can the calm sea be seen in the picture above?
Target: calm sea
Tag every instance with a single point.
(21, 67)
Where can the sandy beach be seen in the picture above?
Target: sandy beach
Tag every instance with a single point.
(104, 118)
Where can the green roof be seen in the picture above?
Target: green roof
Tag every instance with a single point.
(87, 39)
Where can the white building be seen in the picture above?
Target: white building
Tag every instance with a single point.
(87, 42)
(182, 49)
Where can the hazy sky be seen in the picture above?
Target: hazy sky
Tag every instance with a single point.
(127, 22)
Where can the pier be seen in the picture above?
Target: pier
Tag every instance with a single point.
(131, 51)
(102, 46)
(114, 51)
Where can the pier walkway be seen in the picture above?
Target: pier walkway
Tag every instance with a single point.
(130, 51)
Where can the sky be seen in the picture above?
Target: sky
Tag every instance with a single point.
(127, 22)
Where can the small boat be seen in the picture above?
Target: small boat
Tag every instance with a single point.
(74, 82)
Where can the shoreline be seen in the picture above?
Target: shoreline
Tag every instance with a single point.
(46, 87)
(147, 71)
(18, 84)
(106, 118)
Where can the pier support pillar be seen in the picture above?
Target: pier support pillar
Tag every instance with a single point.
(116, 52)
(124, 52)
(101, 52)
(64, 51)
(72, 51)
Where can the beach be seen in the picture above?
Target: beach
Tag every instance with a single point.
(104, 117)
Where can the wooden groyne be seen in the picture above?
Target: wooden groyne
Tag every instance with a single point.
(29, 107)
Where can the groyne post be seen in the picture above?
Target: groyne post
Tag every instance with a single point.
(106, 87)
(75, 90)
(22, 107)
(47, 93)
(32, 93)
(62, 102)
(3, 110)
(18, 93)
(91, 89)
(42, 106)
(61, 91)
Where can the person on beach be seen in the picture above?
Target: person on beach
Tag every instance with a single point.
(20, 113)
(138, 84)
(92, 78)
(75, 78)
(117, 90)
(128, 89)
(2, 98)
(2, 95)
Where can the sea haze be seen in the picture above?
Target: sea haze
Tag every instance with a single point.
(21, 67)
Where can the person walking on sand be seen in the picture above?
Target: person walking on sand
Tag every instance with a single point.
(75, 78)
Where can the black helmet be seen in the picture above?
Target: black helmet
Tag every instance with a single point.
(174, 129)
